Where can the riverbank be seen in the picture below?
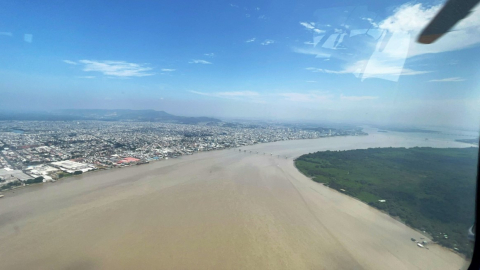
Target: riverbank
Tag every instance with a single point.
(413, 185)
(23, 185)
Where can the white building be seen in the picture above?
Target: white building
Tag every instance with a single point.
(72, 166)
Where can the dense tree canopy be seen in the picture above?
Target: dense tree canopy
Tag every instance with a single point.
(430, 189)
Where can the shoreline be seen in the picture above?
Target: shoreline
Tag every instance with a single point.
(400, 221)
(153, 161)
(156, 161)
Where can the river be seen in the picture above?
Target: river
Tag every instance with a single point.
(213, 210)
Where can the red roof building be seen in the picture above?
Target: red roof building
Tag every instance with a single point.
(128, 160)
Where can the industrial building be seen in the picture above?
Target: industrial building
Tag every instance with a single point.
(72, 166)
(9, 175)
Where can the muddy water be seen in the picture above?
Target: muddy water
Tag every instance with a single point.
(215, 210)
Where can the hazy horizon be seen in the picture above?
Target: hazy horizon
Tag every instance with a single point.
(266, 119)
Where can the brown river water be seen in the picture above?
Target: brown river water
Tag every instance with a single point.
(214, 210)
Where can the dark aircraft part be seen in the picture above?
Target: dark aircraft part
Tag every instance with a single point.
(453, 12)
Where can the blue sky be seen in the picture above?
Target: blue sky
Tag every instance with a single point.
(279, 60)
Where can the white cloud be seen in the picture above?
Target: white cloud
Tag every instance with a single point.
(312, 69)
(409, 17)
(199, 61)
(232, 94)
(267, 42)
(86, 77)
(316, 96)
(400, 30)
(117, 68)
(452, 79)
(201, 93)
(412, 18)
(309, 26)
(371, 68)
(382, 69)
(262, 17)
(357, 98)
(70, 62)
(370, 20)
(168, 69)
(311, 81)
(319, 53)
(209, 54)
(387, 64)
(6, 34)
(233, 5)
(250, 40)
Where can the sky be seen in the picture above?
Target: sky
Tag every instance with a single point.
(348, 61)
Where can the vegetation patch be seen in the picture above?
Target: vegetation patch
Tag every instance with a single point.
(430, 189)
(34, 181)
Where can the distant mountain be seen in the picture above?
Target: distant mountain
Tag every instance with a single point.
(106, 115)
